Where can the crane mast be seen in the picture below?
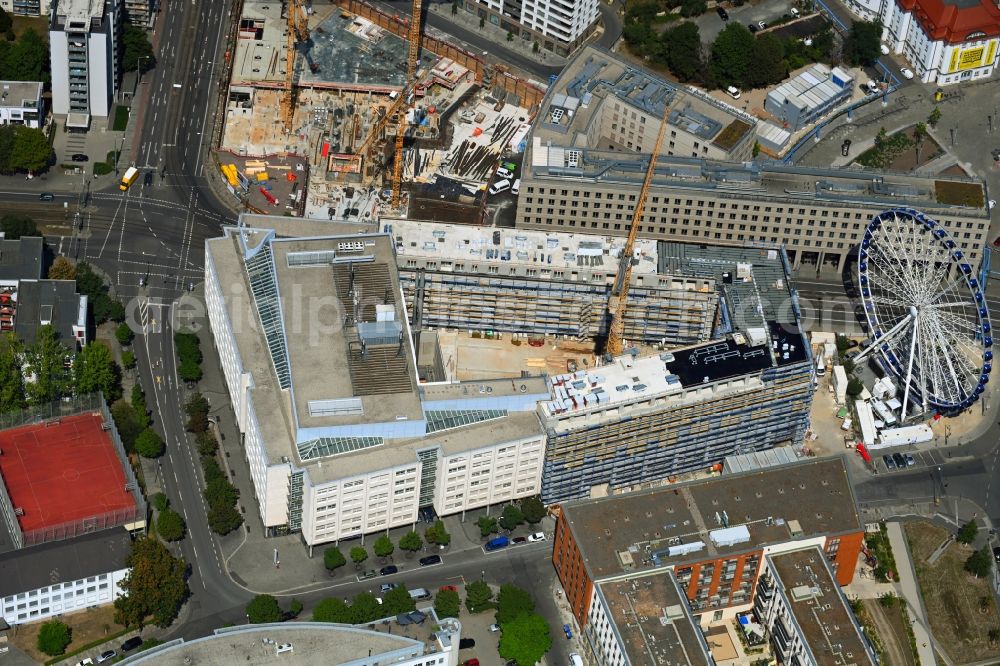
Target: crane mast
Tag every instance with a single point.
(619, 294)
(295, 33)
(411, 73)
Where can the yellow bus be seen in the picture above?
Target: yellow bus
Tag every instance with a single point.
(130, 175)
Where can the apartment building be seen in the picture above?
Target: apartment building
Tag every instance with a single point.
(638, 420)
(83, 48)
(946, 41)
(342, 439)
(139, 13)
(559, 26)
(583, 175)
(21, 103)
(804, 613)
(26, 7)
(713, 534)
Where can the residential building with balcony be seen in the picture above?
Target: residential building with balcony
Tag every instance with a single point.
(83, 48)
(559, 26)
(26, 7)
(21, 103)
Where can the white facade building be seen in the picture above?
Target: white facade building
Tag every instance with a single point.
(340, 436)
(83, 47)
(556, 25)
(21, 103)
(63, 576)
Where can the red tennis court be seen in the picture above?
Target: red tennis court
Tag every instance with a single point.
(62, 471)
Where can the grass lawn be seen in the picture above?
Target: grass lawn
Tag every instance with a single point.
(21, 23)
(952, 596)
(958, 194)
(121, 119)
(87, 626)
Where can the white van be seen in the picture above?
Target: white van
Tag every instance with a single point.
(419, 593)
(575, 660)
(500, 186)
(516, 187)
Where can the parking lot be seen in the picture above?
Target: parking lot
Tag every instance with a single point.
(710, 25)
(920, 460)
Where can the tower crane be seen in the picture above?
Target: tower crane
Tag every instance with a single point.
(411, 74)
(297, 29)
(619, 293)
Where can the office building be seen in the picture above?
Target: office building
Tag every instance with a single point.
(61, 577)
(26, 7)
(809, 96)
(642, 419)
(555, 25)
(583, 176)
(21, 103)
(945, 41)
(341, 437)
(399, 640)
(799, 603)
(83, 49)
(713, 534)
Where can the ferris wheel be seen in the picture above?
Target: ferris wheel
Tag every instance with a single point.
(926, 312)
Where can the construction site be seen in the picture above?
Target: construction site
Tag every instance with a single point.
(341, 111)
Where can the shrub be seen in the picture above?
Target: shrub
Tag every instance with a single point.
(53, 638)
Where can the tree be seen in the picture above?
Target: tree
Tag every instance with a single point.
(15, 226)
(510, 36)
(149, 445)
(525, 639)
(769, 64)
(511, 518)
(358, 555)
(189, 356)
(128, 359)
(197, 409)
(223, 519)
(170, 525)
(732, 54)
(383, 546)
(23, 148)
(333, 610)
(138, 52)
(219, 492)
(919, 134)
(980, 563)
(159, 502)
(208, 445)
(107, 309)
(295, 608)
(53, 638)
(126, 423)
(88, 282)
(333, 559)
(447, 603)
(855, 387)
(487, 525)
(934, 118)
(478, 596)
(967, 533)
(27, 59)
(62, 269)
(682, 45)
(139, 404)
(888, 600)
(862, 46)
(96, 370)
(364, 608)
(124, 334)
(437, 534)
(533, 509)
(411, 542)
(482, 22)
(512, 602)
(154, 588)
(5, 21)
(880, 137)
(11, 375)
(396, 601)
(263, 609)
(46, 360)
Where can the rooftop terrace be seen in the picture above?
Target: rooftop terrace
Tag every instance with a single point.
(819, 608)
(714, 517)
(653, 620)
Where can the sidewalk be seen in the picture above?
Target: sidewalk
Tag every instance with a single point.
(911, 593)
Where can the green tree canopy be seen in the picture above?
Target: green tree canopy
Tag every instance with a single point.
(980, 563)
(95, 370)
(11, 376)
(88, 282)
(62, 269)
(364, 608)
(682, 48)
(127, 423)
(487, 525)
(159, 502)
(768, 61)
(154, 588)
(512, 602)
(5, 21)
(383, 546)
(437, 534)
(27, 59)
(124, 334)
(359, 554)
(149, 445)
(170, 525)
(396, 601)
(447, 603)
(732, 54)
(223, 519)
(478, 596)
(511, 517)
(295, 608)
(967, 533)
(533, 509)
(411, 542)
(23, 148)
(197, 409)
(333, 559)
(333, 610)
(46, 360)
(263, 609)
(525, 639)
(15, 226)
(53, 638)
(188, 355)
(862, 46)
(855, 387)
(138, 52)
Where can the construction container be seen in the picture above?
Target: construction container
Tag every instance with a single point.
(262, 176)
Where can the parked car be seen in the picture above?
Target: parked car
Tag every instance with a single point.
(761, 25)
(845, 147)
(752, 28)
(899, 460)
(519, 540)
(906, 72)
(389, 570)
(733, 92)
(371, 573)
(131, 644)
(504, 172)
(723, 14)
(429, 560)
(884, 49)
(471, 662)
(889, 463)
(80, 157)
(567, 631)
(494, 627)
(794, 12)
(466, 643)
(451, 588)
(872, 86)
(107, 655)
(497, 543)
(147, 180)
(46, 196)
(87, 661)
(537, 536)
(910, 462)
(385, 587)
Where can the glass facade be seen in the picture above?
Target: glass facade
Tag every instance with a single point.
(333, 446)
(260, 270)
(446, 419)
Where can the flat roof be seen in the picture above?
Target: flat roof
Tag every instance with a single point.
(642, 527)
(52, 302)
(812, 88)
(576, 102)
(814, 598)
(63, 470)
(21, 259)
(20, 94)
(64, 561)
(652, 618)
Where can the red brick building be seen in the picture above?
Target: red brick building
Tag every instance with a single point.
(713, 533)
